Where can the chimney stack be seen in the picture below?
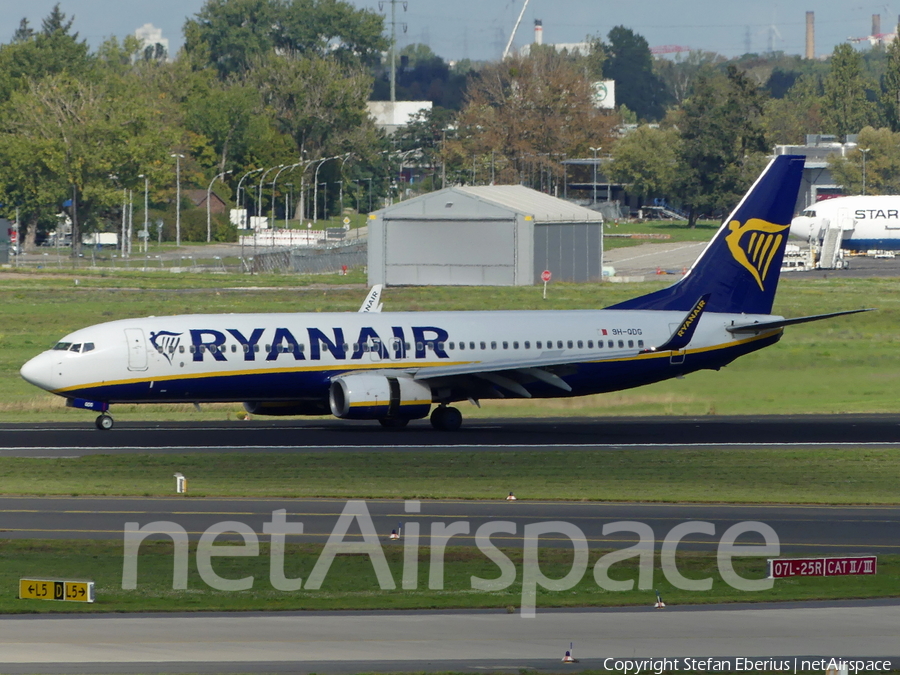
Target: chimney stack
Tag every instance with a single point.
(810, 35)
(538, 32)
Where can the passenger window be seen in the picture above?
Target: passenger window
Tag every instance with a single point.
(559, 344)
(246, 348)
(268, 348)
(181, 349)
(610, 344)
(419, 347)
(505, 345)
(301, 348)
(527, 345)
(569, 343)
(537, 345)
(462, 346)
(631, 343)
(580, 344)
(493, 345)
(590, 344)
(621, 343)
(640, 343)
(451, 345)
(599, 344)
(440, 345)
(483, 346)
(471, 345)
(256, 348)
(515, 345)
(192, 349)
(407, 345)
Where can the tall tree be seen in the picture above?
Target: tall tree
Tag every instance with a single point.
(789, 119)
(879, 167)
(630, 64)
(846, 110)
(646, 159)
(528, 111)
(890, 87)
(723, 142)
(232, 34)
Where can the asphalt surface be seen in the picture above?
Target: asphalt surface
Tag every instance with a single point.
(476, 641)
(316, 435)
(429, 641)
(815, 530)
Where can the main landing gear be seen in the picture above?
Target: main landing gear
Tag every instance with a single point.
(445, 418)
(104, 422)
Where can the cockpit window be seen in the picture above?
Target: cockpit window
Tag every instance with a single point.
(810, 213)
(62, 346)
(76, 347)
(88, 347)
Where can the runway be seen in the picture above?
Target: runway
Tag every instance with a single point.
(430, 641)
(470, 641)
(316, 435)
(819, 530)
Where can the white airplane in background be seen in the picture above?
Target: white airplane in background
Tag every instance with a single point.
(394, 366)
(867, 222)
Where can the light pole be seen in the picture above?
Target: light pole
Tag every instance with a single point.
(288, 200)
(146, 233)
(595, 151)
(316, 188)
(865, 152)
(261, 181)
(343, 161)
(208, 205)
(178, 157)
(239, 195)
(275, 180)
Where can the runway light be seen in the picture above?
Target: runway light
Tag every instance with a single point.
(511, 497)
(568, 658)
(180, 483)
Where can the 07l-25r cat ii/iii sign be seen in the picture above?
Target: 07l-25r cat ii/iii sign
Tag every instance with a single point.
(395, 366)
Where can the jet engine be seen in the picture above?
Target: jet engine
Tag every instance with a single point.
(370, 397)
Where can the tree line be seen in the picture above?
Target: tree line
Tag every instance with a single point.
(263, 84)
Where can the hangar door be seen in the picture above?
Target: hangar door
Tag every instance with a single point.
(571, 251)
(450, 252)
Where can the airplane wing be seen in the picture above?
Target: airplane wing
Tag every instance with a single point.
(504, 374)
(758, 327)
(371, 304)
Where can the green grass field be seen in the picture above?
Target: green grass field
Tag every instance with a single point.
(351, 583)
(762, 475)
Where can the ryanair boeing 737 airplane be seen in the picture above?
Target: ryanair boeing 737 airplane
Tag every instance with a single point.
(394, 366)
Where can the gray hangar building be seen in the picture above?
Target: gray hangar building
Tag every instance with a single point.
(498, 235)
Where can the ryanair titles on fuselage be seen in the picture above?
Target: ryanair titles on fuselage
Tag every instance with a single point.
(284, 342)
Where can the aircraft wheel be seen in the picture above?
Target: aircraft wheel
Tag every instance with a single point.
(393, 422)
(104, 422)
(446, 419)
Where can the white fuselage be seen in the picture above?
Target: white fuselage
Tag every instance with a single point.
(294, 357)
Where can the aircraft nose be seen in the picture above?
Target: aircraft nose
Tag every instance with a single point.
(38, 371)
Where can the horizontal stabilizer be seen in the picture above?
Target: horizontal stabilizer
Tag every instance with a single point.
(781, 323)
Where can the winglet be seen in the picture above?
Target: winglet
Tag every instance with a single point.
(682, 336)
(371, 304)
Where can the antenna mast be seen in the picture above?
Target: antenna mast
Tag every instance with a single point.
(394, 42)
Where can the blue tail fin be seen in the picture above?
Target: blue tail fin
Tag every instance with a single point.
(739, 269)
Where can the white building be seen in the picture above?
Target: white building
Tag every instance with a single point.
(150, 36)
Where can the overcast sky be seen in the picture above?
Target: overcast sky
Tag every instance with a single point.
(479, 29)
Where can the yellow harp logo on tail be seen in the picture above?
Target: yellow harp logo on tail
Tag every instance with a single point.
(754, 245)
